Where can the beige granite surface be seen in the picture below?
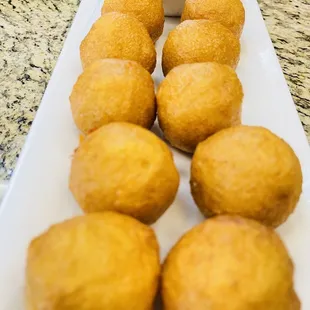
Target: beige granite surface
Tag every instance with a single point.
(31, 37)
(288, 23)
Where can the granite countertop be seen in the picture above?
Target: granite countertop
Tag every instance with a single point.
(34, 31)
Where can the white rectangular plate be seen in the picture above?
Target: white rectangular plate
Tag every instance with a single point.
(38, 195)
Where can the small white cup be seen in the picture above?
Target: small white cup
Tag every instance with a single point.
(173, 7)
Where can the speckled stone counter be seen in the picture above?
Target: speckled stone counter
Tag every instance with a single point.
(288, 23)
(32, 34)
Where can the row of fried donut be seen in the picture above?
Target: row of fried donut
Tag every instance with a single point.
(236, 169)
(129, 33)
(121, 173)
(111, 261)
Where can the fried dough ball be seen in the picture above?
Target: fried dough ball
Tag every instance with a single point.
(117, 35)
(112, 90)
(248, 171)
(125, 168)
(149, 12)
(197, 100)
(98, 261)
(200, 41)
(230, 263)
(230, 13)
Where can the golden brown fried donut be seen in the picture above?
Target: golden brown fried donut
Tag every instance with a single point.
(248, 171)
(230, 263)
(197, 100)
(117, 35)
(200, 41)
(111, 90)
(97, 261)
(230, 13)
(125, 168)
(149, 12)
